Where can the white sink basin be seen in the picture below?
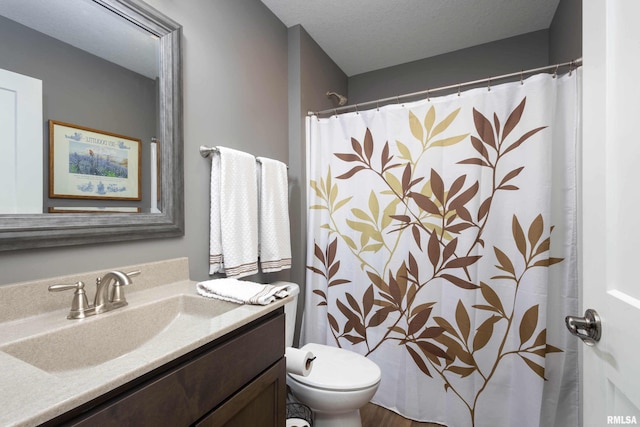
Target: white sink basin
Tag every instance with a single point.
(89, 342)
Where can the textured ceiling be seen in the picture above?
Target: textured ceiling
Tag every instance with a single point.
(366, 35)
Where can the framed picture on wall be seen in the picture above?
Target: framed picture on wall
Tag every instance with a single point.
(87, 163)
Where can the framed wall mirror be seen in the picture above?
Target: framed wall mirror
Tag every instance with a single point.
(123, 77)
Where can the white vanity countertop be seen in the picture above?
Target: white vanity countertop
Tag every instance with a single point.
(31, 396)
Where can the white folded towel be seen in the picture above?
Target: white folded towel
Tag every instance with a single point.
(274, 234)
(237, 201)
(242, 291)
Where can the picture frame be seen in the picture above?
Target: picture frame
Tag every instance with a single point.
(97, 210)
(86, 163)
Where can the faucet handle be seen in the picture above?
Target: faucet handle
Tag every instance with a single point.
(79, 304)
(58, 288)
(133, 273)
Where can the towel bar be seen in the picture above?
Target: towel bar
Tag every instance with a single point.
(206, 152)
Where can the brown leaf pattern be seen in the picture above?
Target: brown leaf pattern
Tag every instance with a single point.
(446, 220)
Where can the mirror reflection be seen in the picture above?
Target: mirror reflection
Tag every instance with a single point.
(112, 77)
(75, 62)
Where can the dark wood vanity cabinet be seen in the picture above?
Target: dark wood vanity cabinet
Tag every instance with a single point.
(237, 380)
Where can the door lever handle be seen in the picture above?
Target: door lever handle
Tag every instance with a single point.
(587, 328)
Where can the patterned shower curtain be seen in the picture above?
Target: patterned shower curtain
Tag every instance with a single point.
(442, 246)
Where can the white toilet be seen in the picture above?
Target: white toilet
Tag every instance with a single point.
(339, 384)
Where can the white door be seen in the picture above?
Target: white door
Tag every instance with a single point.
(21, 143)
(611, 209)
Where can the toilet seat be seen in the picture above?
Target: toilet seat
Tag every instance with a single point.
(338, 369)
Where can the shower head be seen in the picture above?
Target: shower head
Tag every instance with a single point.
(342, 100)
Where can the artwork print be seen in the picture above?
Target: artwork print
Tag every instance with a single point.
(92, 164)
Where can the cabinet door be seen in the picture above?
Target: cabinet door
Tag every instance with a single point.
(262, 403)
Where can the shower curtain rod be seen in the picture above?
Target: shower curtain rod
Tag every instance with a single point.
(377, 102)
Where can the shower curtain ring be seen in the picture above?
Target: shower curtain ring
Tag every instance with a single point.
(377, 106)
(357, 112)
(458, 90)
(555, 72)
(335, 112)
(428, 96)
(570, 68)
(489, 86)
(521, 77)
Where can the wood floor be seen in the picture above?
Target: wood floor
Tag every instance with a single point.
(377, 416)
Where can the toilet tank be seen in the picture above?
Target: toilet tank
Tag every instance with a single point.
(290, 309)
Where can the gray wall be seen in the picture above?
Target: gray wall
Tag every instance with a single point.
(565, 32)
(311, 75)
(491, 59)
(235, 95)
(82, 89)
(562, 42)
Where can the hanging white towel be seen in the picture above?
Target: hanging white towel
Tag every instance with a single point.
(274, 234)
(237, 200)
(241, 291)
(215, 242)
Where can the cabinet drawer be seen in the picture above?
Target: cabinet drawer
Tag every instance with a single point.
(186, 393)
(259, 404)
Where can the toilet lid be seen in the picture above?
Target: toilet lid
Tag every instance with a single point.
(338, 369)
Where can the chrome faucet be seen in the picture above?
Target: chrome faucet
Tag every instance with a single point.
(109, 294)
